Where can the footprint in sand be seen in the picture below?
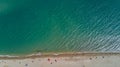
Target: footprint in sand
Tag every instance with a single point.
(5, 66)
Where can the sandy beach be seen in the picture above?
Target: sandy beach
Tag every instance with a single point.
(63, 60)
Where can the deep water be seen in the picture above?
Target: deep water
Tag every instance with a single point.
(30, 26)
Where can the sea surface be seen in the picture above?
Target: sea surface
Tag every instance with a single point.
(31, 26)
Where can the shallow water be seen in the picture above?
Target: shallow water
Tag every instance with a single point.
(29, 26)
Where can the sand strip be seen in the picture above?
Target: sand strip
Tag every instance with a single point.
(63, 60)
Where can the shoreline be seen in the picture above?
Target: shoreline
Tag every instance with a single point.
(60, 54)
(79, 59)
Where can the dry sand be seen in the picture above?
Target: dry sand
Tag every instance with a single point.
(63, 60)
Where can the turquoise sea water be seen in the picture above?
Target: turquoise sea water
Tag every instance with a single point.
(28, 26)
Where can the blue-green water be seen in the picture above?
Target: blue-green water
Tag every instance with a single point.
(28, 26)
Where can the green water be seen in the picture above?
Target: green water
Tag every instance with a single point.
(30, 26)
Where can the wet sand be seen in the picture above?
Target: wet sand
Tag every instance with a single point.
(63, 60)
